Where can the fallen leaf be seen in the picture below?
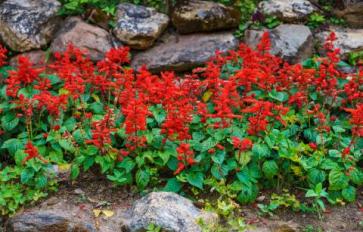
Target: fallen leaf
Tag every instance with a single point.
(108, 213)
(97, 212)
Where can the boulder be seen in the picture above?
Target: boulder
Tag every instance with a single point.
(28, 24)
(348, 40)
(184, 52)
(167, 210)
(46, 221)
(292, 42)
(139, 26)
(200, 16)
(288, 10)
(351, 11)
(94, 40)
(36, 57)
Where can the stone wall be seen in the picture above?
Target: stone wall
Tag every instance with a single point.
(186, 39)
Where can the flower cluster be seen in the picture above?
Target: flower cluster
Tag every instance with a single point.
(3, 56)
(239, 117)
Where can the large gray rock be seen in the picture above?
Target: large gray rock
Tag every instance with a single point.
(288, 10)
(200, 16)
(351, 11)
(167, 210)
(184, 52)
(28, 24)
(348, 40)
(47, 221)
(139, 26)
(292, 42)
(95, 40)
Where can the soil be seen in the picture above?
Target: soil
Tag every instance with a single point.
(91, 192)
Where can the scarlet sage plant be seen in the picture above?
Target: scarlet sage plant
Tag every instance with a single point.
(246, 117)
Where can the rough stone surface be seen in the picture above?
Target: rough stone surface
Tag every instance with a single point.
(28, 24)
(348, 40)
(168, 210)
(96, 41)
(288, 10)
(199, 16)
(351, 11)
(46, 221)
(139, 26)
(292, 42)
(184, 52)
(36, 57)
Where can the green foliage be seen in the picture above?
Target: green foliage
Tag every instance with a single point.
(315, 20)
(355, 58)
(76, 7)
(24, 184)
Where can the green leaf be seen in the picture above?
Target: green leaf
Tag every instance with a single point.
(334, 153)
(127, 164)
(356, 176)
(173, 185)
(279, 96)
(316, 176)
(41, 181)
(74, 172)
(66, 145)
(248, 194)
(88, 162)
(105, 162)
(26, 175)
(56, 156)
(261, 150)
(96, 107)
(218, 157)
(20, 155)
(349, 194)
(9, 121)
(70, 124)
(219, 171)
(196, 179)
(208, 144)
(270, 168)
(142, 178)
(337, 180)
(243, 158)
(13, 145)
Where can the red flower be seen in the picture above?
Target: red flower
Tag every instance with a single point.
(242, 144)
(345, 152)
(22, 77)
(101, 131)
(357, 120)
(32, 152)
(185, 157)
(3, 57)
(313, 146)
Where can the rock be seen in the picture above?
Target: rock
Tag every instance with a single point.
(292, 42)
(139, 26)
(96, 41)
(37, 58)
(98, 17)
(184, 52)
(46, 221)
(351, 11)
(288, 10)
(200, 16)
(348, 40)
(28, 24)
(167, 210)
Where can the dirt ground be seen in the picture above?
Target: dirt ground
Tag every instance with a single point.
(94, 192)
